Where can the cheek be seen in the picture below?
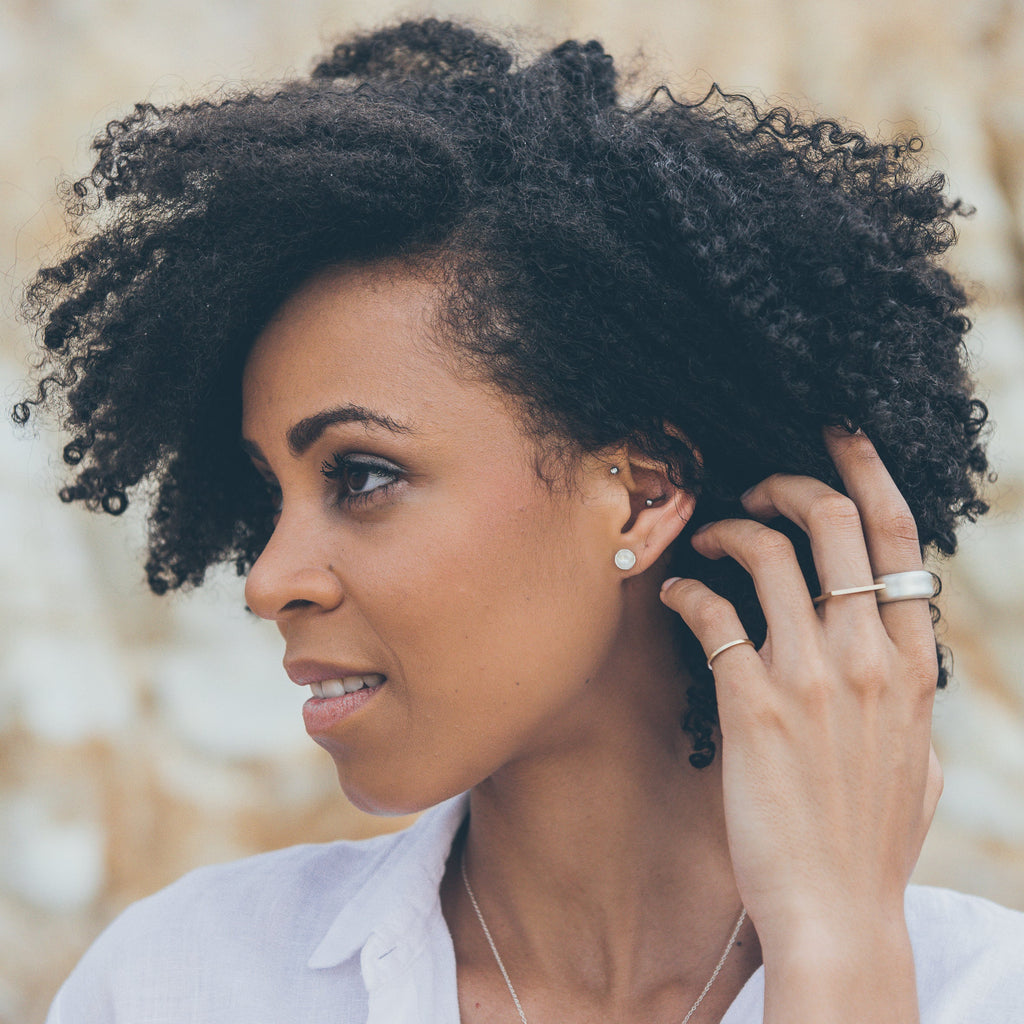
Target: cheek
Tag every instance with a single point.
(505, 599)
(495, 618)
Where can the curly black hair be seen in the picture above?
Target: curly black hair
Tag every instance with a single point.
(709, 281)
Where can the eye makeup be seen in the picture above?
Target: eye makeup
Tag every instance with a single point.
(360, 479)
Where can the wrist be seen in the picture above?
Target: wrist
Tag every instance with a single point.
(849, 969)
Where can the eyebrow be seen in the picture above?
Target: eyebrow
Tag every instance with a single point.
(304, 434)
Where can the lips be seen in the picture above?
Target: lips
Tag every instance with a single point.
(336, 691)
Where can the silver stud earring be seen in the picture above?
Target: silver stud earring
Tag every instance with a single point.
(624, 558)
(614, 470)
(650, 502)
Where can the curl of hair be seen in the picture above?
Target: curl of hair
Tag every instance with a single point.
(689, 277)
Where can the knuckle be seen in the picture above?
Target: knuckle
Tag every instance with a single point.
(924, 688)
(709, 610)
(898, 522)
(815, 690)
(773, 481)
(921, 662)
(813, 681)
(772, 548)
(702, 608)
(869, 671)
(757, 707)
(684, 593)
(832, 509)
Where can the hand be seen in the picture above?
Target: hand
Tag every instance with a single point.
(830, 781)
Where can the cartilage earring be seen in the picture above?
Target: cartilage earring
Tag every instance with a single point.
(624, 558)
(613, 470)
(650, 502)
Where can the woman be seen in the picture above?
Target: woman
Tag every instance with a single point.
(584, 453)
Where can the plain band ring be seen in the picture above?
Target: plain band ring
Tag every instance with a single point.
(877, 585)
(732, 643)
(908, 586)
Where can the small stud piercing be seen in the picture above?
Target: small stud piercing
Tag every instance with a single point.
(614, 470)
(624, 558)
(650, 502)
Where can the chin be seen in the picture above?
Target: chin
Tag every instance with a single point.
(389, 800)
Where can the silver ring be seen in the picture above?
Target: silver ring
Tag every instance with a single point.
(732, 643)
(908, 586)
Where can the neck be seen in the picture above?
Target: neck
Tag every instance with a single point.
(602, 866)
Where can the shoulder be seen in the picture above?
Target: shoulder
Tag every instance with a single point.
(260, 919)
(969, 954)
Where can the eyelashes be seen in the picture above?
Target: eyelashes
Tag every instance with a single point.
(356, 480)
(359, 479)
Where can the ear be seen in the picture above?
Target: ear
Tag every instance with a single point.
(653, 511)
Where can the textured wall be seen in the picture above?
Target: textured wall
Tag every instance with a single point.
(141, 737)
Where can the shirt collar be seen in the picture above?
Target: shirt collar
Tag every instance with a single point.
(401, 891)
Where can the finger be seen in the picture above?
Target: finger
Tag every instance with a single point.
(714, 622)
(890, 531)
(889, 527)
(771, 561)
(832, 523)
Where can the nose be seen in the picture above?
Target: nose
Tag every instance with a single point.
(291, 574)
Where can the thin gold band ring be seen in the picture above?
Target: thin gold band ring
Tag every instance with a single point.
(732, 643)
(847, 590)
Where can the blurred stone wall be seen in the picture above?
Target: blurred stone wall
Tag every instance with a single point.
(140, 737)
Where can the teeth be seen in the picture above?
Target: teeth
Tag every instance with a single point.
(338, 687)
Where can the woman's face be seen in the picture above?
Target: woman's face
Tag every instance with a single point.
(415, 543)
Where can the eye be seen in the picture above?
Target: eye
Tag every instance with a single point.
(360, 479)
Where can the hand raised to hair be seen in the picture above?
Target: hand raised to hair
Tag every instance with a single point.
(830, 781)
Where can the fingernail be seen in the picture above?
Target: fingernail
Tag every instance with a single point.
(701, 529)
(844, 430)
(746, 494)
(668, 583)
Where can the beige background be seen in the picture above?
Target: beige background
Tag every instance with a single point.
(140, 737)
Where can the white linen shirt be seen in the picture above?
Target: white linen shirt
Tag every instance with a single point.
(352, 933)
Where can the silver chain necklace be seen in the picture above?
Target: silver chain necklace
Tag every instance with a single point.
(508, 980)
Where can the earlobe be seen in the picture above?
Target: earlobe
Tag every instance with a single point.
(625, 559)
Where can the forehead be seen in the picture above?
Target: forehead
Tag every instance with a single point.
(355, 334)
(363, 336)
(373, 320)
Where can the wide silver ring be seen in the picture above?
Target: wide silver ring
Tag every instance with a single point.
(918, 584)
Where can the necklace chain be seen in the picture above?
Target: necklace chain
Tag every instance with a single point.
(508, 980)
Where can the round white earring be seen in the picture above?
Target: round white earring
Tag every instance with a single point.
(624, 558)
